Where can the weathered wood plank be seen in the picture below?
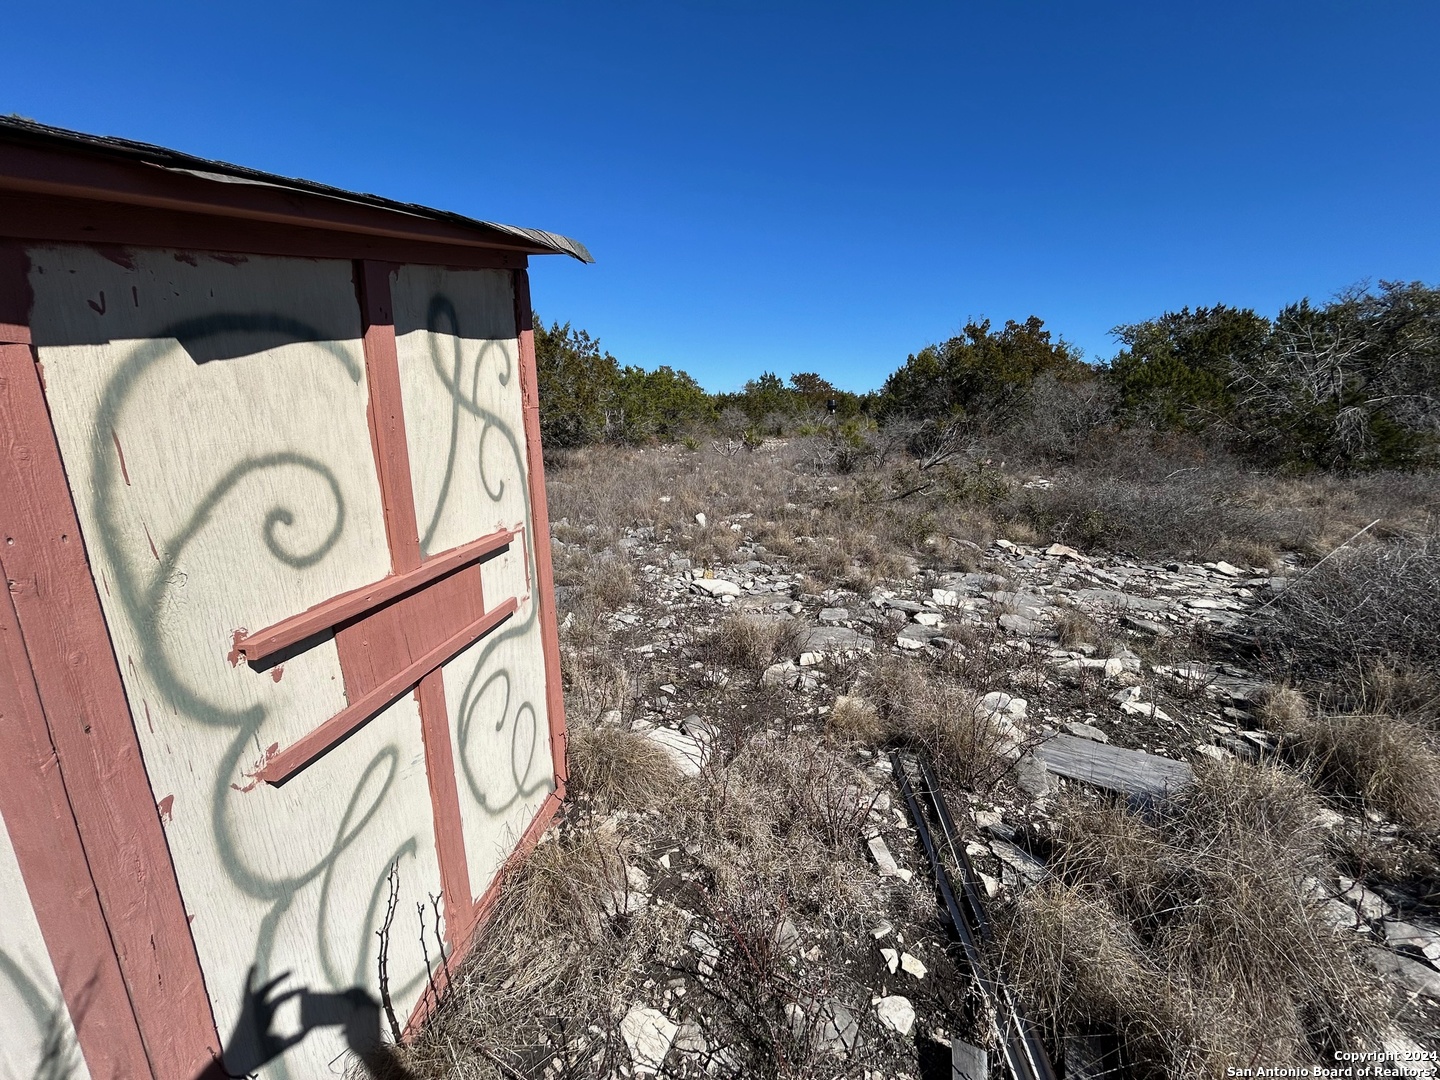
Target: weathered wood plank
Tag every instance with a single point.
(968, 1062)
(1131, 772)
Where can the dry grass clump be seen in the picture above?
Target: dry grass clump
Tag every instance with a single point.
(854, 719)
(619, 769)
(752, 642)
(1187, 931)
(595, 680)
(1074, 627)
(551, 968)
(921, 707)
(1282, 708)
(785, 820)
(1375, 603)
(611, 582)
(711, 543)
(1196, 516)
(1388, 764)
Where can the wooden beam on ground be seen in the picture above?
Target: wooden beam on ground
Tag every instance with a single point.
(1130, 772)
(968, 1062)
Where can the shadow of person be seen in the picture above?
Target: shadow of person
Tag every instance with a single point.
(254, 1043)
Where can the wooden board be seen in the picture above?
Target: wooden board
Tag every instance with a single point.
(968, 1062)
(1130, 772)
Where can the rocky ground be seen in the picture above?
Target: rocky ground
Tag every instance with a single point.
(773, 694)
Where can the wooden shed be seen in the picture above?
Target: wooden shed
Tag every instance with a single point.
(280, 615)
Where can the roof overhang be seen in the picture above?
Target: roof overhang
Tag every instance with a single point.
(45, 171)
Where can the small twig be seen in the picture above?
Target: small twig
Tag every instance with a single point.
(499, 1063)
(425, 952)
(440, 941)
(384, 961)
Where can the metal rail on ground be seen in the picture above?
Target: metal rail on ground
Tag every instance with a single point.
(1020, 1045)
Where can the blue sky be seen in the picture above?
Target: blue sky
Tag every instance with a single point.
(815, 186)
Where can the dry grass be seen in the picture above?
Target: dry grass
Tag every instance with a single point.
(1188, 933)
(1388, 764)
(1282, 708)
(1074, 627)
(595, 680)
(854, 719)
(619, 769)
(1375, 603)
(786, 820)
(753, 642)
(551, 969)
(611, 582)
(923, 708)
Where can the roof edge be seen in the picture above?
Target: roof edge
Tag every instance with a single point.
(22, 131)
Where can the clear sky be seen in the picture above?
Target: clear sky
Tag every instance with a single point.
(819, 186)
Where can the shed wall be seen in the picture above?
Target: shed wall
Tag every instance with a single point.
(212, 418)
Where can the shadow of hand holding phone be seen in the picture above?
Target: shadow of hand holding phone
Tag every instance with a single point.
(254, 1043)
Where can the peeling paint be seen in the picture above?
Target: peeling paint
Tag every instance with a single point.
(187, 257)
(151, 541)
(276, 672)
(100, 307)
(148, 721)
(166, 806)
(254, 775)
(235, 639)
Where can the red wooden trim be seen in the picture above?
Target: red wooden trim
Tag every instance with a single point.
(387, 415)
(80, 176)
(78, 679)
(283, 765)
(49, 219)
(544, 591)
(52, 861)
(263, 644)
(484, 908)
(445, 807)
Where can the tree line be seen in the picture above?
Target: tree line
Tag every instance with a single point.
(1353, 383)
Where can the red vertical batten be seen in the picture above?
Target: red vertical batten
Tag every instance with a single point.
(36, 810)
(544, 591)
(392, 463)
(386, 413)
(90, 726)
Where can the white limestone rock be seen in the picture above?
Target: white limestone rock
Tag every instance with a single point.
(648, 1034)
(896, 1013)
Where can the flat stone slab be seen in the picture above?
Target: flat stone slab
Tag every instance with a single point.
(1131, 772)
(1413, 976)
(1113, 598)
(835, 639)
